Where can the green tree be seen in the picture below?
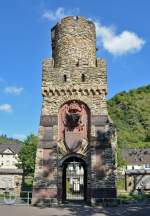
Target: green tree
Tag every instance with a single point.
(8, 140)
(27, 155)
(120, 161)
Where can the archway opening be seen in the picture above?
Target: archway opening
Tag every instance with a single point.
(74, 179)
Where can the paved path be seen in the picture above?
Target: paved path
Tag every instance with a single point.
(75, 211)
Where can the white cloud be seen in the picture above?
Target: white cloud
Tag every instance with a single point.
(5, 108)
(59, 13)
(123, 43)
(13, 90)
(116, 44)
(19, 136)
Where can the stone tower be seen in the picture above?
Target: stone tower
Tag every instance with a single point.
(76, 152)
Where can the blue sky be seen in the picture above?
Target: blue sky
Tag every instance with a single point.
(123, 39)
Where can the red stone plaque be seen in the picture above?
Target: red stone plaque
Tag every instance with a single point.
(73, 124)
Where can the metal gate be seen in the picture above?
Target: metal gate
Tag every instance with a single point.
(9, 197)
(74, 181)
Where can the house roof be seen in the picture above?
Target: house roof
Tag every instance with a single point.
(136, 156)
(15, 148)
(11, 171)
(137, 172)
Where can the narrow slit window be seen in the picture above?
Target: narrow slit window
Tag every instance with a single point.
(83, 77)
(65, 78)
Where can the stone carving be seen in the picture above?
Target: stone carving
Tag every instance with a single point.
(83, 147)
(64, 149)
(73, 126)
(62, 146)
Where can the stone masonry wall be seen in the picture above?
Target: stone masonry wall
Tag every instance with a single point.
(56, 90)
(73, 42)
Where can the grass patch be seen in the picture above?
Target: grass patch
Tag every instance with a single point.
(121, 184)
(130, 197)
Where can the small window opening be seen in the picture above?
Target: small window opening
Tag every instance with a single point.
(75, 17)
(53, 32)
(83, 78)
(77, 64)
(65, 78)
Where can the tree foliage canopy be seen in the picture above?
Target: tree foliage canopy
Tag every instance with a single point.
(130, 112)
(7, 140)
(27, 155)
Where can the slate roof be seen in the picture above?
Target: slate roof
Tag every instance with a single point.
(136, 156)
(15, 148)
(11, 171)
(137, 172)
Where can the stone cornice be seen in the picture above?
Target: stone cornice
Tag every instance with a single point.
(74, 90)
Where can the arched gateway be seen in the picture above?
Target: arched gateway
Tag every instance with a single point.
(74, 179)
(76, 153)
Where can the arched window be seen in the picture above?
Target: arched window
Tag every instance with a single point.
(65, 78)
(83, 78)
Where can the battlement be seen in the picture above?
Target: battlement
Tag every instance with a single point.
(74, 42)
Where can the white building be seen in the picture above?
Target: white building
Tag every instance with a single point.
(136, 158)
(10, 175)
(9, 155)
(137, 169)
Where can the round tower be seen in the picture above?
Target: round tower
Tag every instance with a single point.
(74, 42)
